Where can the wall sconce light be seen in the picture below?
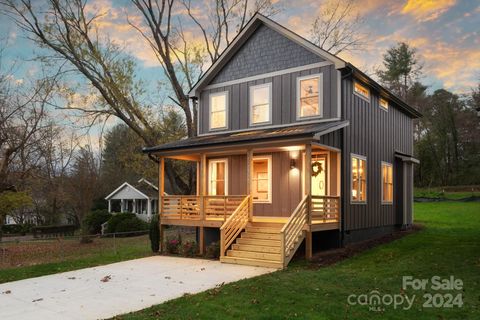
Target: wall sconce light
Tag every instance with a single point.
(292, 163)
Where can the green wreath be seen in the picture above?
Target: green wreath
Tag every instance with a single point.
(316, 168)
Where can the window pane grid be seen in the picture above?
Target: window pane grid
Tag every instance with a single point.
(309, 97)
(260, 104)
(359, 179)
(387, 183)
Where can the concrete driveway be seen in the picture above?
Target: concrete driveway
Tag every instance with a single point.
(127, 286)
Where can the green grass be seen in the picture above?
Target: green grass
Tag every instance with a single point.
(449, 245)
(34, 257)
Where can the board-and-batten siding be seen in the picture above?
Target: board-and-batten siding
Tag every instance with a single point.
(284, 103)
(375, 134)
(286, 186)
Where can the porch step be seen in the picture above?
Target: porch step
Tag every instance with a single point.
(254, 255)
(260, 242)
(257, 248)
(262, 229)
(258, 235)
(252, 262)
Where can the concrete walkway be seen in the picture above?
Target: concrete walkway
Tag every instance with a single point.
(127, 286)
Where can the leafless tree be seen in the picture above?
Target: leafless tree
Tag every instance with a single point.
(338, 28)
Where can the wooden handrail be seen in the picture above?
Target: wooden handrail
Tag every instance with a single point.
(293, 229)
(234, 225)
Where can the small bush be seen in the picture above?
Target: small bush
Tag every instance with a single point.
(213, 250)
(12, 228)
(125, 222)
(154, 234)
(94, 220)
(174, 244)
(189, 249)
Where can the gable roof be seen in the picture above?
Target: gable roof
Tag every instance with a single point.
(143, 187)
(252, 136)
(259, 19)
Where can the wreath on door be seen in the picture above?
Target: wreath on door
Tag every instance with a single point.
(316, 168)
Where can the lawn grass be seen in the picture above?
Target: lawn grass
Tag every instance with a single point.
(448, 245)
(37, 258)
(440, 193)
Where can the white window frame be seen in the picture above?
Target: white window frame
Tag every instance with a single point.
(318, 76)
(210, 96)
(269, 164)
(250, 104)
(211, 162)
(361, 95)
(380, 99)
(384, 163)
(353, 201)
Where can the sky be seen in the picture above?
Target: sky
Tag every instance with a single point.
(444, 32)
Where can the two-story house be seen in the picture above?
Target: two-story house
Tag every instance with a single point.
(294, 144)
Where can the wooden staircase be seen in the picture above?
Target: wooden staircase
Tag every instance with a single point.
(258, 245)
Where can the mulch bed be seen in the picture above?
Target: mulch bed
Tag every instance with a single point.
(329, 257)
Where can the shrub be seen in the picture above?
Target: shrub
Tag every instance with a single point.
(125, 222)
(213, 250)
(189, 249)
(154, 234)
(173, 244)
(12, 228)
(94, 220)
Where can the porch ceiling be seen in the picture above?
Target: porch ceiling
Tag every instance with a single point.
(306, 131)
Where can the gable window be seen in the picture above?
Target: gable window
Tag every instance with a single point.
(217, 177)
(309, 96)
(361, 90)
(383, 103)
(387, 182)
(262, 179)
(260, 104)
(218, 110)
(359, 179)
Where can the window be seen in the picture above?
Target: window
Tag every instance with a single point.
(359, 179)
(309, 96)
(383, 104)
(262, 179)
(387, 182)
(260, 106)
(218, 110)
(361, 90)
(218, 173)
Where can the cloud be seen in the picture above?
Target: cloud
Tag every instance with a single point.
(427, 10)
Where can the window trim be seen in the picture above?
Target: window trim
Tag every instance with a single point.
(382, 163)
(318, 76)
(210, 165)
(367, 99)
(352, 201)
(210, 96)
(380, 99)
(269, 164)
(250, 104)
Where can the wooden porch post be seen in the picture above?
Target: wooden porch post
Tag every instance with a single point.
(249, 181)
(161, 190)
(109, 205)
(308, 193)
(201, 192)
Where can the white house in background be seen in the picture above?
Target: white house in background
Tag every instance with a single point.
(141, 199)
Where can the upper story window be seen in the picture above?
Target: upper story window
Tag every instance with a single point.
(217, 177)
(260, 104)
(262, 179)
(218, 110)
(387, 182)
(383, 103)
(309, 96)
(361, 90)
(359, 179)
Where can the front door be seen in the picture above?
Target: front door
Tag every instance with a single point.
(319, 174)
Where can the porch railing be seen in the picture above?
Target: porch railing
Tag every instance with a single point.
(190, 207)
(234, 225)
(293, 230)
(325, 209)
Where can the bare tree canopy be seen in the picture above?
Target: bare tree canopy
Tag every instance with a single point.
(338, 28)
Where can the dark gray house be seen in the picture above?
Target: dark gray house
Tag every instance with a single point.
(294, 144)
